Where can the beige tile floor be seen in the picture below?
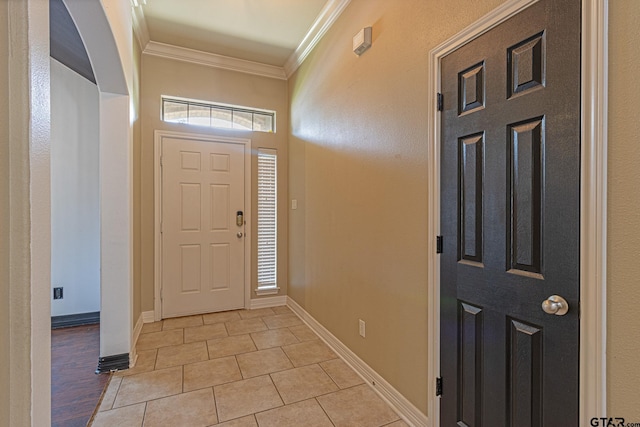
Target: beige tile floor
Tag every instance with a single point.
(243, 368)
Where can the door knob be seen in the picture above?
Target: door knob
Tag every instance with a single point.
(555, 304)
(239, 234)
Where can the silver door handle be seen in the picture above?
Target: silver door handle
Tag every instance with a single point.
(239, 234)
(555, 304)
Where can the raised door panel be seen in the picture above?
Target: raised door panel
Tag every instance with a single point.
(471, 168)
(190, 269)
(525, 373)
(526, 195)
(470, 365)
(219, 207)
(190, 206)
(220, 266)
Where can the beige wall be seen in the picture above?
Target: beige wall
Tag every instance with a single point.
(137, 137)
(358, 167)
(24, 129)
(4, 218)
(623, 278)
(162, 76)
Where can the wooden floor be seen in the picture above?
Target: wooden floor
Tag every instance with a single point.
(75, 388)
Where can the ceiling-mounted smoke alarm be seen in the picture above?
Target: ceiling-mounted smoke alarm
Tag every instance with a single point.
(362, 41)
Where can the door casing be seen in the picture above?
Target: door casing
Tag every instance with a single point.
(159, 136)
(593, 180)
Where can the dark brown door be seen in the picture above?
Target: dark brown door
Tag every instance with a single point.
(510, 185)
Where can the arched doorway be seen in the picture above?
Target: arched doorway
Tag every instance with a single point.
(107, 36)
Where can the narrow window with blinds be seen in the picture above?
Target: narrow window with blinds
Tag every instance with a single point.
(267, 221)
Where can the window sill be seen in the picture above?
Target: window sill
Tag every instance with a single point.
(267, 291)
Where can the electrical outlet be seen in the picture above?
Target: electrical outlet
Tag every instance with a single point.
(57, 293)
(362, 327)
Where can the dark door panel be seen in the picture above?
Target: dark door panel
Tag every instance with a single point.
(510, 180)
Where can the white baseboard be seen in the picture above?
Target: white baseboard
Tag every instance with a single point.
(409, 413)
(268, 302)
(133, 355)
(148, 316)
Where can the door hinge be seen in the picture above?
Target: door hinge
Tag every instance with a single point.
(439, 244)
(161, 161)
(161, 227)
(440, 102)
(438, 386)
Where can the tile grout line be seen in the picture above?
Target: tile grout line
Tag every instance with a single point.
(329, 375)
(279, 395)
(144, 414)
(215, 404)
(254, 341)
(277, 391)
(116, 395)
(323, 410)
(224, 325)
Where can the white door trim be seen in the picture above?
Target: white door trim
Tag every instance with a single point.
(159, 135)
(593, 187)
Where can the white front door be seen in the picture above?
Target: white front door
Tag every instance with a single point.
(202, 226)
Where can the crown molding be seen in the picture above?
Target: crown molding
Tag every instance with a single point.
(328, 15)
(140, 28)
(212, 60)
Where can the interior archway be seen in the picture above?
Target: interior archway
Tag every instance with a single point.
(112, 73)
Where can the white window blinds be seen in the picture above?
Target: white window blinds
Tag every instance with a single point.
(267, 218)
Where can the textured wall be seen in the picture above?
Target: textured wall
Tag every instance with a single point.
(358, 167)
(4, 217)
(174, 78)
(137, 136)
(623, 243)
(27, 122)
(75, 208)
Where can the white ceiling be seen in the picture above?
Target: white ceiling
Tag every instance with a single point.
(265, 31)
